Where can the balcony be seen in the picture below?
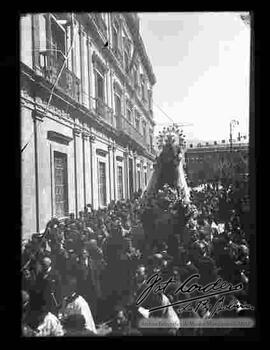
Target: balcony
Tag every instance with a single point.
(124, 126)
(67, 82)
(104, 112)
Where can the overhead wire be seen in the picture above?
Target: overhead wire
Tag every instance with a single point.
(164, 113)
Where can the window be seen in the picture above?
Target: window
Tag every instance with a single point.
(42, 32)
(145, 179)
(46, 57)
(129, 115)
(60, 184)
(151, 139)
(118, 104)
(127, 54)
(131, 189)
(99, 86)
(77, 56)
(137, 121)
(139, 179)
(120, 182)
(137, 124)
(69, 43)
(85, 73)
(150, 99)
(135, 74)
(144, 90)
(144, 128)
(58, 41)
(102, 183)
(115, 37)
(126, 62)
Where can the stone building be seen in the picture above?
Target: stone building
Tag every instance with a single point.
(216, 161)
(86, 113)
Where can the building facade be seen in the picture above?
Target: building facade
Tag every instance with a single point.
(217, 161)
(86, 113)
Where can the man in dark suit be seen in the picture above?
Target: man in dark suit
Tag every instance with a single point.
(86, 286)
(48, 286)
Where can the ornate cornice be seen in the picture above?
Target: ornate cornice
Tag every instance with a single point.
(27, 103)
(77, 131)
(119, 159)
(92, 138)
(38, 114)
(85, 135)
(101, 152)
(57, 137)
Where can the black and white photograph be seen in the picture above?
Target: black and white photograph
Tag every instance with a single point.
(136, 194)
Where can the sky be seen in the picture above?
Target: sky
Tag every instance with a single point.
(201, 63)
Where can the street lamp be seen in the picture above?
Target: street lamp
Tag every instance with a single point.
(232, 124)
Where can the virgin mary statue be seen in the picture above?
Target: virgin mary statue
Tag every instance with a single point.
(169, 166)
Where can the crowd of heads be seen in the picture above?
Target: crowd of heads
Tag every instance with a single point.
(206, 236)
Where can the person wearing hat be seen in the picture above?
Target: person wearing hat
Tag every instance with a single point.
(37, 252)
(85, 283)
(72, 262)
(98, 264)
(48, 285)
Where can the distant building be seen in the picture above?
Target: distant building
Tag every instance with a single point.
(86, 113)
(213, 161)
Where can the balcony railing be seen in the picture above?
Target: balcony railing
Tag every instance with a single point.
(104, 112)
(127, 128)
(51, 67)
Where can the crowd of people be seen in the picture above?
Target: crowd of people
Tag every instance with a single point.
(83, 276)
